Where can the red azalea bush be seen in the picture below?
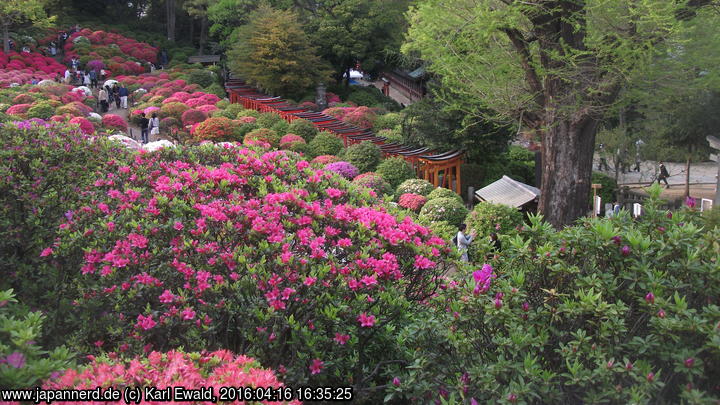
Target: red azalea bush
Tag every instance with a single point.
(116, 122)
(18, 109)
(413, 202)
(288, 140)
(23, 99)
(193, 116)
(85, 125)
(164, 370)
(257, 252)
(215, 128)
(207, 108)
(175, 110)
(362, 117)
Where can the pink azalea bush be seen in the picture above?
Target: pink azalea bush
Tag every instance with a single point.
(413, 202)
(113, 121)
(193, 116)
(374, 182)
(323, 160)
(236, 246)
(288, 140)
(216, 369)
(85, 125)
(363, 117)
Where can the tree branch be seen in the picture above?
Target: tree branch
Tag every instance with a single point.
(531, 76)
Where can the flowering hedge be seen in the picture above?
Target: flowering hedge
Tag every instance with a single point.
(288, 140)
(324, 160)
(86, 126)
(449, 210)
(216, 128)
(415, 186)
(171, 369)
(258, 250)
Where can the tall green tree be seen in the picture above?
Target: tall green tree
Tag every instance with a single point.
(226, 16)
(273, 52)
(351, 31)
(16, 14)
(198, 10)
(556, 65)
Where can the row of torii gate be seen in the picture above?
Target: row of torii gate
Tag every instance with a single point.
(440, 169)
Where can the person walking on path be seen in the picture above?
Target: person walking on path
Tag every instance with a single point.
(663, 175)
(144, 122)
(116, 96)
(93, 79)
(123, 96)
(155, 125)
(463, 243)
(86, 79)
(103, 98)
(109, 94)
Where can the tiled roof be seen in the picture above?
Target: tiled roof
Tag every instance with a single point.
(508, 192)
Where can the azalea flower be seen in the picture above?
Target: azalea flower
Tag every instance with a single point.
(316, 366)
(366, 321)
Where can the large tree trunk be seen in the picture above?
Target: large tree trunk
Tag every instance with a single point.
(567, 153)
(170, 17)
(203, 35)
(6, 38)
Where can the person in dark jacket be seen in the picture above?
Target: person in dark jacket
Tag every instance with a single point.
(144, 122)
(663, 175)
(116, 95)
(123, 96)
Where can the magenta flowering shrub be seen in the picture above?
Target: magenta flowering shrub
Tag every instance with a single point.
(85, 125)
(288, 140)
(216, 369)
(249, 251)
(18, 109)
(324, 160)
(620, 309)
(345, 169)
(113, 121)
(193, 116)
(413, 202)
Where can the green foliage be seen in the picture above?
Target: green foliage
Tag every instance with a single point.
(325, 143)
(371, 96)
(201, 77)
(486, 218)
(42, 173)
(217, 90)
(442, 192)
(25, 363)
(387, 121)
(265, 135)
(449, 210)
(273, 52)
(608, 192)
(17, 13)
(303, 128)
(712, 218)
(268, 119)
(395, 170)
(42, 110)
(364, 155)
(561, 323)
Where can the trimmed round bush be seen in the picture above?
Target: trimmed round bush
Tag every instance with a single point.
(18, 109)
(415, 186)
(387, 121)
(303, 128)
(201, 77)
(413, 202)
(216, 129)
(268, 119)
(390, 135)
(192, 117)
(449, 210)
(344, 169)
(85, 125)
(364, 155)
(323, 160)
(263, 135)
(501, 219)
(113, 121)
(395, 170)
(304, 149)
(326, 143)
(43, 110)
(290, 139)
(442, 192)
(374, 182)
(170, 122)
(175, 110)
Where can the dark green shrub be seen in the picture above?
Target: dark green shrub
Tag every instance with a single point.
(264, 135)
(608, 192)
(610, 311)
(387, 121)
(303, 128)
(395, 170)
(268, 120)
(364, 155)
(305, 149)
(217, 90)
(281, 127)
(202, 78)
(325, 143)
(449, 210)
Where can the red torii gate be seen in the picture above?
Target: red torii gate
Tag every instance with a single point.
(439, 169)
